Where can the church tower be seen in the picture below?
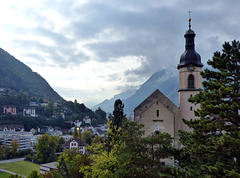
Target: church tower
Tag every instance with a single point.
(190, 80)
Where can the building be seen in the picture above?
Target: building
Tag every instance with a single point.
(23, 138)
(9, 109)
(30, 111)
(157, 113)
(76, 143)
(44, 168)
(87, 120)
(11, 128)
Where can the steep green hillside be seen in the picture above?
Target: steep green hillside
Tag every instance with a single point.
(17, 76)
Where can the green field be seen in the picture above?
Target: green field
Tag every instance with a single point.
(4, 175)
(20, 167)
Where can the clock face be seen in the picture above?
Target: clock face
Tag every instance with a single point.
(191, 68)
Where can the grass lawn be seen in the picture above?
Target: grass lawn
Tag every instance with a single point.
(4, 175)
(21, 167)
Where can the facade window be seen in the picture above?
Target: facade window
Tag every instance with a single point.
(191, 108)
(157, 113)
(157, 132)
(191, 95)
(157, 103)
(190, 81)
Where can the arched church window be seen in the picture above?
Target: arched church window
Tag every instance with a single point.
(190, 81)
(157, 113)
(157, 132)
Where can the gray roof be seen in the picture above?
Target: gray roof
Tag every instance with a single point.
(154, 97)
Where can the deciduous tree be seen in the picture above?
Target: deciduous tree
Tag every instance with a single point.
(14, 147)
(46, 148)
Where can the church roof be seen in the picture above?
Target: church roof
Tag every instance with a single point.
(154, 97)
(190, 56)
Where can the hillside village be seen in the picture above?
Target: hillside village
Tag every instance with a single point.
(36, 118)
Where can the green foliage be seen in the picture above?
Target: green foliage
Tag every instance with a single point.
(2, 151)
(102, 115)
(87, 137)
(125, 153)
(69, 164)
(80, 133)
(34, 174)
(14, 147)
(143, 157)
(15, 176)
(46, 148)
(94, 122)
(212, 149)
(118, 113)
(75, 132)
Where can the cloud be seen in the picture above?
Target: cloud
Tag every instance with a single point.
(112, 45)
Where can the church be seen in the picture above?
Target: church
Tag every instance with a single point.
(157, 113)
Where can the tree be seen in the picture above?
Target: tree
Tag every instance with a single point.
(102, 114)
(2, 151)
(80, 133)
(94, 122)
(212, 149)
(34, 174)
(143, 156)
(118, 113)
(8, 153)
(127, 154)
(75, 132)
(46, 148)
(14, 147)
(69, 164)
(87, 137)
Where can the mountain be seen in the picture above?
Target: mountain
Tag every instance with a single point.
(165, 80)
(17, 76)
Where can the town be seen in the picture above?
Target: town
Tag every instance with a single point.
(119, 89)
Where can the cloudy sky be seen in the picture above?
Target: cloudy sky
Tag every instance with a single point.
(90, 50)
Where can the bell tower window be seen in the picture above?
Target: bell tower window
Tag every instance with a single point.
(190, 81)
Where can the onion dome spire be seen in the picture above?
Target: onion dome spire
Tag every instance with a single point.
(190, 56)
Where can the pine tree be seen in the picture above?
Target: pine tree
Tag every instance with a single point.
(80, 133)
(75, 133)
(213, 148)
(118, 113)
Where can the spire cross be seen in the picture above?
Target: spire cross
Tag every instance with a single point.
(189, 20)
(189, 12)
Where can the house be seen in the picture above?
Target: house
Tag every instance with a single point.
(55, 133)
(9, 109)
(157, 113)
(30, 111)
(76, 143)
(77, 123)
(11, 128)
(44, 168)
(87, 120)
(33, 104)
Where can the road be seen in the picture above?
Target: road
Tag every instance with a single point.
(11, 160)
